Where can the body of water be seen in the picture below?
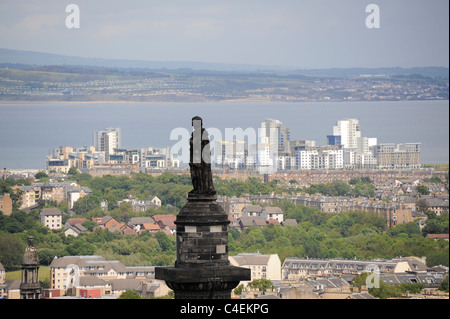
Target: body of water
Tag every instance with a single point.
(28, 131)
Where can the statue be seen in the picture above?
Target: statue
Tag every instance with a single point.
(200, 160)
(202, 269)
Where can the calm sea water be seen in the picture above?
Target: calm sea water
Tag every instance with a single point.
(28, 131)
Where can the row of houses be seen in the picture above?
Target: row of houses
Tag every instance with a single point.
(379, 177)
(136, 225)
(241, 208)
(304, 278)
(52, 218)
(294, 268)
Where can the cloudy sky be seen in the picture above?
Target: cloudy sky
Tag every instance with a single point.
(293, 33)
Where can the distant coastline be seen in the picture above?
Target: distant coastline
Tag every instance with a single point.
(250, 101)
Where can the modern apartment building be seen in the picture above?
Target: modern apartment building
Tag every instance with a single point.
(349, 131)
(230, 154)
(107, 140)
(402, 156)
(65, 157)
(320, 157)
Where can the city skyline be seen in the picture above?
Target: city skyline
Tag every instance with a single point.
(294, 34)
(266, 149)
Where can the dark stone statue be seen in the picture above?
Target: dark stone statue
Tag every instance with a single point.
(200, 160)
(202, 269)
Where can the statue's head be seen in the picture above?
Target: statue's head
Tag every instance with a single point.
(197, 122)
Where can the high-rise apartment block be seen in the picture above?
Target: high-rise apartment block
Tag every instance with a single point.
(348, 130)
(107, 140)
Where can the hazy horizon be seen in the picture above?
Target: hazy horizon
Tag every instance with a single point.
(293, 34)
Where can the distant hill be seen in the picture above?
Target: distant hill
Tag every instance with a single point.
(40, 58)
(21, 59)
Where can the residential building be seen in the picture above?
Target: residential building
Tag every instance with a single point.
(233, 206)
(295, 268)
(142, 223)
(438, 205)
(270, 133)
(158, 158)
(10, 289)
(107, 140)
(74, 230)
(106, 222)
(6, 204)
(319, 157)
(125, 156)
(261, 159)
(142, 205)
(349, 131)
(261, 266)
(76, 274)
(286, 163)
(74, 193)
(364, 156)
(316, 288)
(51, 218)
(402, 156)
(166, 222)
(251, 210)
(65, 157)
(153, 288)
(251, 221)
(30, 196)
(230, 154)
(272, 213)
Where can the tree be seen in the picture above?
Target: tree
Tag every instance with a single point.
(89, 224)
(422, 205)
(73, 171)
(11, 251)
(238, 290)
(165, 242)
(360, 280)
(423, 190)
(130, 294)
(339, 188)
(40, 175)
(412, 288)
(386, 291)
(86, 204)
(79, 248)
(436, 225)
(444, 284)
(261, 284)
